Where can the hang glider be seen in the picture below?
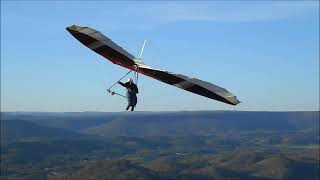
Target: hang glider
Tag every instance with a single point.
(102, 45)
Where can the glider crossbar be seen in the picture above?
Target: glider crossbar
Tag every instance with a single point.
(115, 93)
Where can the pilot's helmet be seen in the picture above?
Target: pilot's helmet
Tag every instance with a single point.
(130, 80)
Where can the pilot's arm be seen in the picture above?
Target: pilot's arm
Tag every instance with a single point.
(123, 84)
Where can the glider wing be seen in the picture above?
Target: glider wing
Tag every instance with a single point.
(105, 47)
(193, 85)
(102, 45)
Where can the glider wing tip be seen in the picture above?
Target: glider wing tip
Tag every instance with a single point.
(238, 102)
(72, 27)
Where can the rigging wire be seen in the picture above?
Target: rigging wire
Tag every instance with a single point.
(119, 80)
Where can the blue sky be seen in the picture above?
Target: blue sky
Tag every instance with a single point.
(266, 53)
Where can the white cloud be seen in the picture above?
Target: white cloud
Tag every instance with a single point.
(112, 16)
(147, 15)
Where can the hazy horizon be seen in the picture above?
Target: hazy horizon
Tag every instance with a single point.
(177, 111)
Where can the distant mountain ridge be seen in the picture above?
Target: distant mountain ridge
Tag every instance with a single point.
(24, 130)
(140, 124)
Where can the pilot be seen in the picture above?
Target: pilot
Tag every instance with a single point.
(132, 91)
